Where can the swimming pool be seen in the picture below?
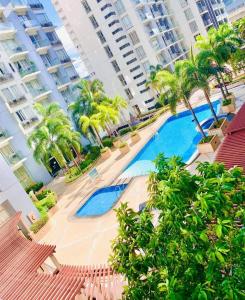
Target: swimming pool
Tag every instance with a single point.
(177, 136)
(101, 201)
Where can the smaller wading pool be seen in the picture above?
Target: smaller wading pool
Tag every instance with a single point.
(101, 201)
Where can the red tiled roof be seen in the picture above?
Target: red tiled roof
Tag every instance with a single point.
(20, 259)
(238, 123)
(232, 150)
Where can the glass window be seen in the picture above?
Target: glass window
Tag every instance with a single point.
(126, 22)
(134, 37)
(120, 8)
(140, 52)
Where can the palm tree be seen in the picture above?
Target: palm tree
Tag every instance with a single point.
(177, 89)
(196, 75)
(152, 82)
(107, 115)
(93, 123)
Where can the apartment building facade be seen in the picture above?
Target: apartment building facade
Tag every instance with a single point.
(34, 67)
(118, 40)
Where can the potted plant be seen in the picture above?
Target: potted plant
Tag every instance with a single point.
(135, 137)
(117, 142)
(105, 153)
(228, 104)
(218, 128)
(208, 144)
(124, 148)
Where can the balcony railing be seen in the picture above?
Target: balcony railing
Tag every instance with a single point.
(56, 43)
(5, 77)
(30, 23)
(62, 80)
(17, 49)
(46, 23)
(17, 101)
(16, 3)
(41, 43)
(26, 71)
(6, 26)
(37, 91)
(65, 60)
(33, 120)
(35, 4)
(51, 62)
(74, 77)
(14, 158)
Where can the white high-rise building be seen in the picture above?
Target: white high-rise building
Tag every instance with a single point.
(118, 40)
(34, 67)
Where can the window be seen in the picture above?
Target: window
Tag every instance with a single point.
(149, 101)
(188, 14)
(120, 8)
(138, 76)
(21, 115)
(124, 46)
(134, 37)
(151, 107)
(140, 52)
(121, 38)
(129, 94)
(127, 22)
(134, 69)
(122, 80)
(128, 53)
(131, 61)
(86, 6)
(113, 23)
(101, 37)
(105, 6)
(141, 83)
(193, 26)
(117, 30)
(146, 66)
(94, 22)
(112, 13)
(115, 66)
(145, 90)
(108, 51)
(183, 3)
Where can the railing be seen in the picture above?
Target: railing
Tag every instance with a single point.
(16, 3)
(14, 158)
(17, 49)
(17, 101)
(30, 23)
(62, 80)
(56, 42)
(6, 26)
(5, 77)
(38, 91)
(30, 69)
(35, 4)
(46, 23)
(41, 43)
(29, 122)
(51, 62)
(65, 60)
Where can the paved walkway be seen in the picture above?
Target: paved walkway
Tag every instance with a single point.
(87, 241)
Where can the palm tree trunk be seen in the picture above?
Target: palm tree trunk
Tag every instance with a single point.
(124, 119)
(98, 137)
(195, 117)
(210, 105)
(224, 84)
(220, 85)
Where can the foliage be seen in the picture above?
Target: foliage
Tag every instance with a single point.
(47, 202)
(122, 145)
(147, 122)
(104, 150)
(73, 173)
(35, 187)
(124, 131)
(226, 102)
(39, 223)
(54, 137)
(93, 152)
(206, 139)
(134, 133)
(196, 249)
(107, 141)
(43, 194)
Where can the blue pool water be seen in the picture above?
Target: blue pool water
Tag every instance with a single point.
(101, 201)
(177, 136)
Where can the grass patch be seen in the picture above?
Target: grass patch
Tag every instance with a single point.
(217, 124)
(226, 102)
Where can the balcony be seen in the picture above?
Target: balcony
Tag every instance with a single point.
(29, 73)
(52, 65)
(15, 103)
(18, 53)
(20, 7)
(39, 93)
(74, 77)
(7, 31)
(31, 27)
(42, 46)
(15, 160)
(62, 83)
(35, 4)
(46, 23)
(5, 77)
(65, 60)
(56, 43)
(4, 138)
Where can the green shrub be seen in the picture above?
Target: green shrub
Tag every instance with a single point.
(35, 187)
(226, 102)
(39, 223)
(124, 131)
(104, 150)
(93, 153)
(147, 122)
(206, 139)
(84, 164)
(43, 194)
(46, 203)
(107, 142)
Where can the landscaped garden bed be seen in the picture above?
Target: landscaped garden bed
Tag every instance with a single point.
(105, 153)
(228, 105)
(135, 137)
(208, 144)
(218, 128)
(124, 148)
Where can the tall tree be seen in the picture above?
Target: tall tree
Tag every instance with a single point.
(196, 72)
(175, 88)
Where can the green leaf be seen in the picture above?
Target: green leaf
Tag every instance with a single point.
(218, 230)
(220, 256)
(202, 295)
(204, 237)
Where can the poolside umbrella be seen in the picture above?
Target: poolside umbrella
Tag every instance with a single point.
(139, 168)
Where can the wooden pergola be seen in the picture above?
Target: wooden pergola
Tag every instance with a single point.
(232, 150)
(23, 277)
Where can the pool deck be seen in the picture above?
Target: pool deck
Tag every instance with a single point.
(87, 241)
